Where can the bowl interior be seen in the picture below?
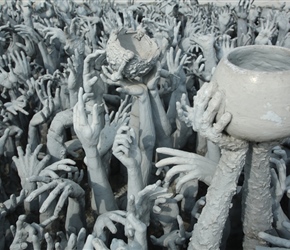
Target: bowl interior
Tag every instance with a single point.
(142, 48)
(261, 58)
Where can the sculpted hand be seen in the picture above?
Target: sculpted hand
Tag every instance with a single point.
(24, 234)
(88, 133)
(74, 241)
(75, 70)
(64, 188)
(173, 239)
(125, 148)
(92, 82)
(44, 94)
(145, 199)
(107, 220)
(202, 116)
(17, 104)
(204, 41)
(175, 67)
(112, 124)
(136, 89)
(242, 10)
(22, 67)
(224, 46)
(193, 166)
(11, 204)
(43, 115)
(26, 31)
(165, 212)
(224, 18)
(266, 33)
(28, 165)
(54, 33)
(8, 79)
(276, 242)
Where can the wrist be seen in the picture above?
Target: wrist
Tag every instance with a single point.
(91, 151)
(153, 92)
(144, 97)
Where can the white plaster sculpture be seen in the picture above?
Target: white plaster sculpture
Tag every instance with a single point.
(144, 126)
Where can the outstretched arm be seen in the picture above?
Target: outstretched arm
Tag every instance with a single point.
(103, 199)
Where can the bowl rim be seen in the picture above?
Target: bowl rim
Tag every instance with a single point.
(244, 70)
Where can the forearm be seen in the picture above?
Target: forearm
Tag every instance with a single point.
(161, 123)
(242, 28)
(75, 217)
(147, 136)
(33, 137)
(135, 182)
(47, 61)
(208, 235)
(103, 199)
(73, 97)
(257, 214)
(181, 134)
(171, 112)
(55, 135)
(281, 36)
(210, 61)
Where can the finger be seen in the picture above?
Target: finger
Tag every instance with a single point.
(21, 196)
(81, 238)
(23, 111)
(110, 225)
(193, 175)
(20, 224)
(72, 241)
(177, 170)
(49, 88)
(182, 161)
(123, 139)
(177, 58)
(131, 208)
(46, 222)
(81, 176)
(81, 108)
(139, 227)
(178, 153)
(20, 152)
(133, 136)
(182, 61)
(52, 196)
(277, 241)
(181, 226)
(281, 152)
(112, 115)
(5, 135)
(212, 109)
(28, 154)
(36, 151)
(49, 242)
(95, 116)
(13, 201)
(171, 245)
(36, 243)
(99, 244)
(221, 124)
(40, 178)
(39, 191)
(13, 230)
(65, 194)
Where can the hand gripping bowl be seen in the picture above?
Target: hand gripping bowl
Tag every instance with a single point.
(255, 84)
(136, 49)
